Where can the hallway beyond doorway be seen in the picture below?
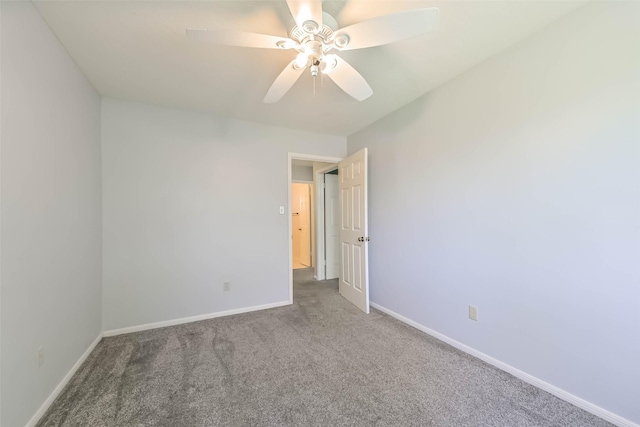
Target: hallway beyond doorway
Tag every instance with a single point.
(298, 265)
(306, 286)
(301, 224)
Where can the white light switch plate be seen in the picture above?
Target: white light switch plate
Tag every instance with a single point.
(473, 312)
(281, 210)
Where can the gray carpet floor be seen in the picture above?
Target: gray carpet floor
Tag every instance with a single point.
(318, 362)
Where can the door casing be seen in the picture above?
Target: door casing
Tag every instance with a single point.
(319, 221)
(299, 156)
(331, 237)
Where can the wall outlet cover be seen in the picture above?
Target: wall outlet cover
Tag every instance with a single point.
(473, 312)
(40, 357)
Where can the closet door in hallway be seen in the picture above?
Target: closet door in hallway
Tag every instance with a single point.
(301, 224)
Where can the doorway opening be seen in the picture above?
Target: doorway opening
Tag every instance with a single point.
(307, 214)
(349, 212)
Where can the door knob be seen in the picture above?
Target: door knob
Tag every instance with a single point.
(360, 239)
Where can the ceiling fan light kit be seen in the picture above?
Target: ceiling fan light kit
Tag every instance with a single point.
(314, 41)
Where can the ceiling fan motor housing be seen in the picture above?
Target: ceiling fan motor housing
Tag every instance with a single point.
(313, 45)
(310, 27)
(316, 33)
(324, 35)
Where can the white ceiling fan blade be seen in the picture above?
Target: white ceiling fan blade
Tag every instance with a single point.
(306, 10)
(389, 28)
(283, 83)
(349, 80)
(240, 38)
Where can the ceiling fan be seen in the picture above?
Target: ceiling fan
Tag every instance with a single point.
(315, 41)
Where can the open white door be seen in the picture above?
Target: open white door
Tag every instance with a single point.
(331, 226)
(354, 277)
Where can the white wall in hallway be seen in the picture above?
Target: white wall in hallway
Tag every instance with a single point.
(50, 212)
(516, 188)
(302, 173)
(190, 201)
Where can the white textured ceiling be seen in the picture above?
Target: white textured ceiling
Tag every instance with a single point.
(137, 50)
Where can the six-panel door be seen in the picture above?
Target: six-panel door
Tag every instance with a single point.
(354, 282)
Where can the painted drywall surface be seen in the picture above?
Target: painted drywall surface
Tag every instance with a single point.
(51, 212)
(516, 188)
(190, 201)
(302, 173)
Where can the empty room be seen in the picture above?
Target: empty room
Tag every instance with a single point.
(319, 213)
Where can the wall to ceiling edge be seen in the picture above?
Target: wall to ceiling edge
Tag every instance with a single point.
(515, 188)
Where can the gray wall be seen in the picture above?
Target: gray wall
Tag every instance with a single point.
(301, 173)
(191, 201)
(515, 187)
(51, 215)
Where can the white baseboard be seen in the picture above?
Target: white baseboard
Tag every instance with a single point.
(558, 392)
(43, 408)
(174, 322)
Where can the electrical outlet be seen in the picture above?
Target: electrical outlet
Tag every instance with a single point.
(473, 312)
(226, 286)
(40, 357)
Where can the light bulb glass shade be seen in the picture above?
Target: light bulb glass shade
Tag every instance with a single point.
(329, 63)
(301, 60)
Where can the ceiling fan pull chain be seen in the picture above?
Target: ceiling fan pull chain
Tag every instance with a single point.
(315, 68)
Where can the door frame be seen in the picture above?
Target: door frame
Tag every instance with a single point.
(313, 158)
(319, 231)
